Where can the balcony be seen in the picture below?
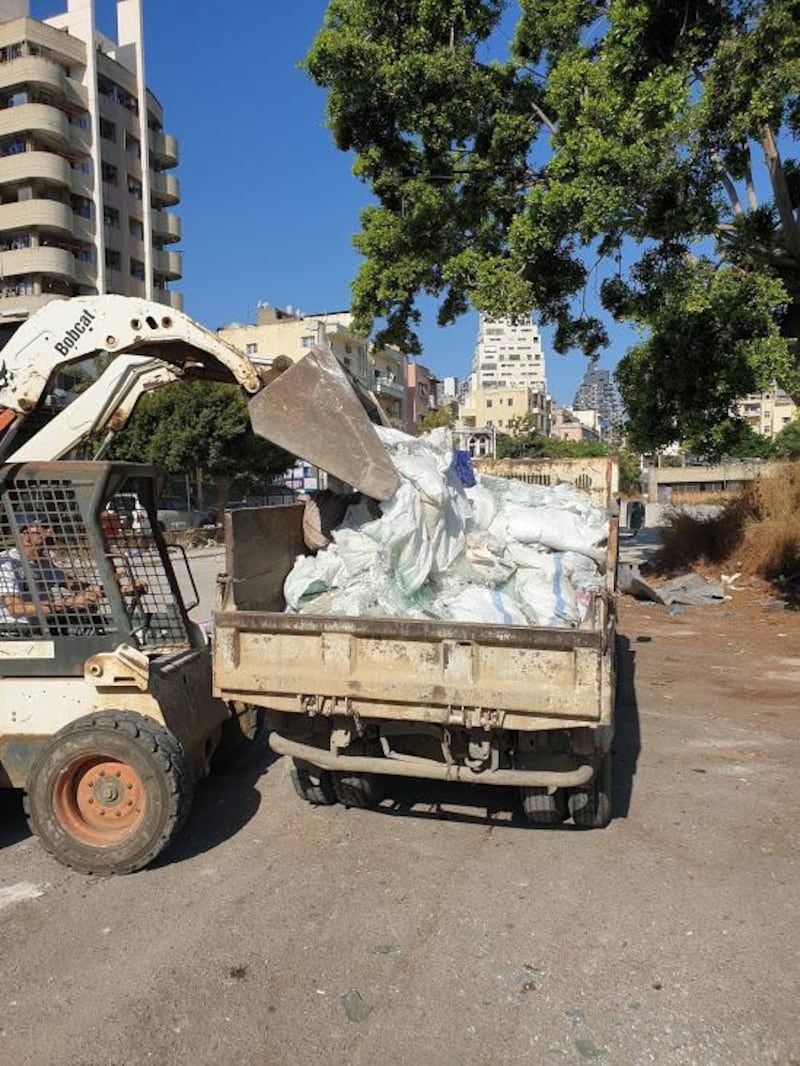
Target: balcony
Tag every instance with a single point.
(35, 70)
(48, 122)
(166, 226)
(164, 149)
(171, 299)
(166, 188)
(40, 261)
(386, 386)
(13, 305)
(26, 166)
(170, 264)
(47, 213)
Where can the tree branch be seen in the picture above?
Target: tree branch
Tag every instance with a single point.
(547, 121)
(730, 189)
(783, 201)
(752, 199)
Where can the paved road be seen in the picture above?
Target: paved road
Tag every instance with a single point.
(447, 929)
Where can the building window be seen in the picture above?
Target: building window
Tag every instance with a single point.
(136, 229)
(137, 269)
(11, 51)
(250, 349)
(81, 206)
(132, 144)
(134, 187)
(12, 146)
(111, 217)
(108, 131)
(489, 403)
(110, 173)
(308, 341)
(113, 259)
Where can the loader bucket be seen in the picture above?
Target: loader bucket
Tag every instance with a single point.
(312, 411)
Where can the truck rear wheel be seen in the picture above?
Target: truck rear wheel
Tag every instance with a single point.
(590, 805)
(313, 785)
(109, 792)
(542, 807)
(359, 790)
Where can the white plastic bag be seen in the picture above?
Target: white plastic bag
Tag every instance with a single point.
(474, 604)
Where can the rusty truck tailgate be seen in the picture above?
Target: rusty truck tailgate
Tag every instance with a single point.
(426, 671)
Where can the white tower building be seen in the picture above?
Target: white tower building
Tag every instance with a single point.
(508, 354)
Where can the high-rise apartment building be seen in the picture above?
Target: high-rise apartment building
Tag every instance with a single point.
(598, 393)
(85, 188)
(508, 355)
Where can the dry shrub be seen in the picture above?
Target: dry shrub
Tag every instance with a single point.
(757, 533)
(771, 534)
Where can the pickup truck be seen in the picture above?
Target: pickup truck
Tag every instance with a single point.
(355, 700)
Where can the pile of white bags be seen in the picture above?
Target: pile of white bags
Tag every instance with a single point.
(501, 552)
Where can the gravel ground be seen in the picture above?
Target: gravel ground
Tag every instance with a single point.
(440, 928)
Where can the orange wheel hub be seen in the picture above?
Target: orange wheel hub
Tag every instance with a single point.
(99, 800)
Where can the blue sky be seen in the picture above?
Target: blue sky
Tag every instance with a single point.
(269, 206)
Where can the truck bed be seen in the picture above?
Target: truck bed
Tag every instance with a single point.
(467, 674)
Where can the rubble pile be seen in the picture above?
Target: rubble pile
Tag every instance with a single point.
(501, 551)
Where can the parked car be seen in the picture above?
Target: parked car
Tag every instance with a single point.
(173, 514)
(127, 510)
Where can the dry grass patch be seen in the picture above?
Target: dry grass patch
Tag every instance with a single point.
(757, 533)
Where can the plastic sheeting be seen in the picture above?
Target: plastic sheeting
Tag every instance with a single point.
(501, 552)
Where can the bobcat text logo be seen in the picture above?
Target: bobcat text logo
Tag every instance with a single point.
(72, 336)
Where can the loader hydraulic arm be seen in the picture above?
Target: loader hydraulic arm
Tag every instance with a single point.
(309, 408)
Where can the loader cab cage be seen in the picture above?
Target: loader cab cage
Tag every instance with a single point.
(78, 573)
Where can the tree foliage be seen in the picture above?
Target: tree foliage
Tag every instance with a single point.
(200, 426)
(525, 442)
(625, 146)
(787, 442)
(442, 416)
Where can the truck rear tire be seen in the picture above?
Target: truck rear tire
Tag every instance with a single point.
(542, 807)
(314, 786)
(590, 805)
(109, 792)
(359, 790)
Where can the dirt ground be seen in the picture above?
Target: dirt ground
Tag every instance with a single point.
(442, 929)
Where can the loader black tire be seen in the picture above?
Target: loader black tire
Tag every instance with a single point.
(542, 808)
(591, 805)
(359, 790)
(109, 792)
(313, 785)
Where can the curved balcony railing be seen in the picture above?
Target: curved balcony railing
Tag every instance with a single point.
(166, 187)
(45, 166)
(164, 149)
(170, 264)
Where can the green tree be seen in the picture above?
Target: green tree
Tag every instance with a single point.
(634, 146)
(200, 427)
(787, 442)
(733, 439)
(443, 416)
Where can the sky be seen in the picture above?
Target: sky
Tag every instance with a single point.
(268, 205)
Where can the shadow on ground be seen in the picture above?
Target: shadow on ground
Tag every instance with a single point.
(13, 825)
(223, 805)
(493, 806)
